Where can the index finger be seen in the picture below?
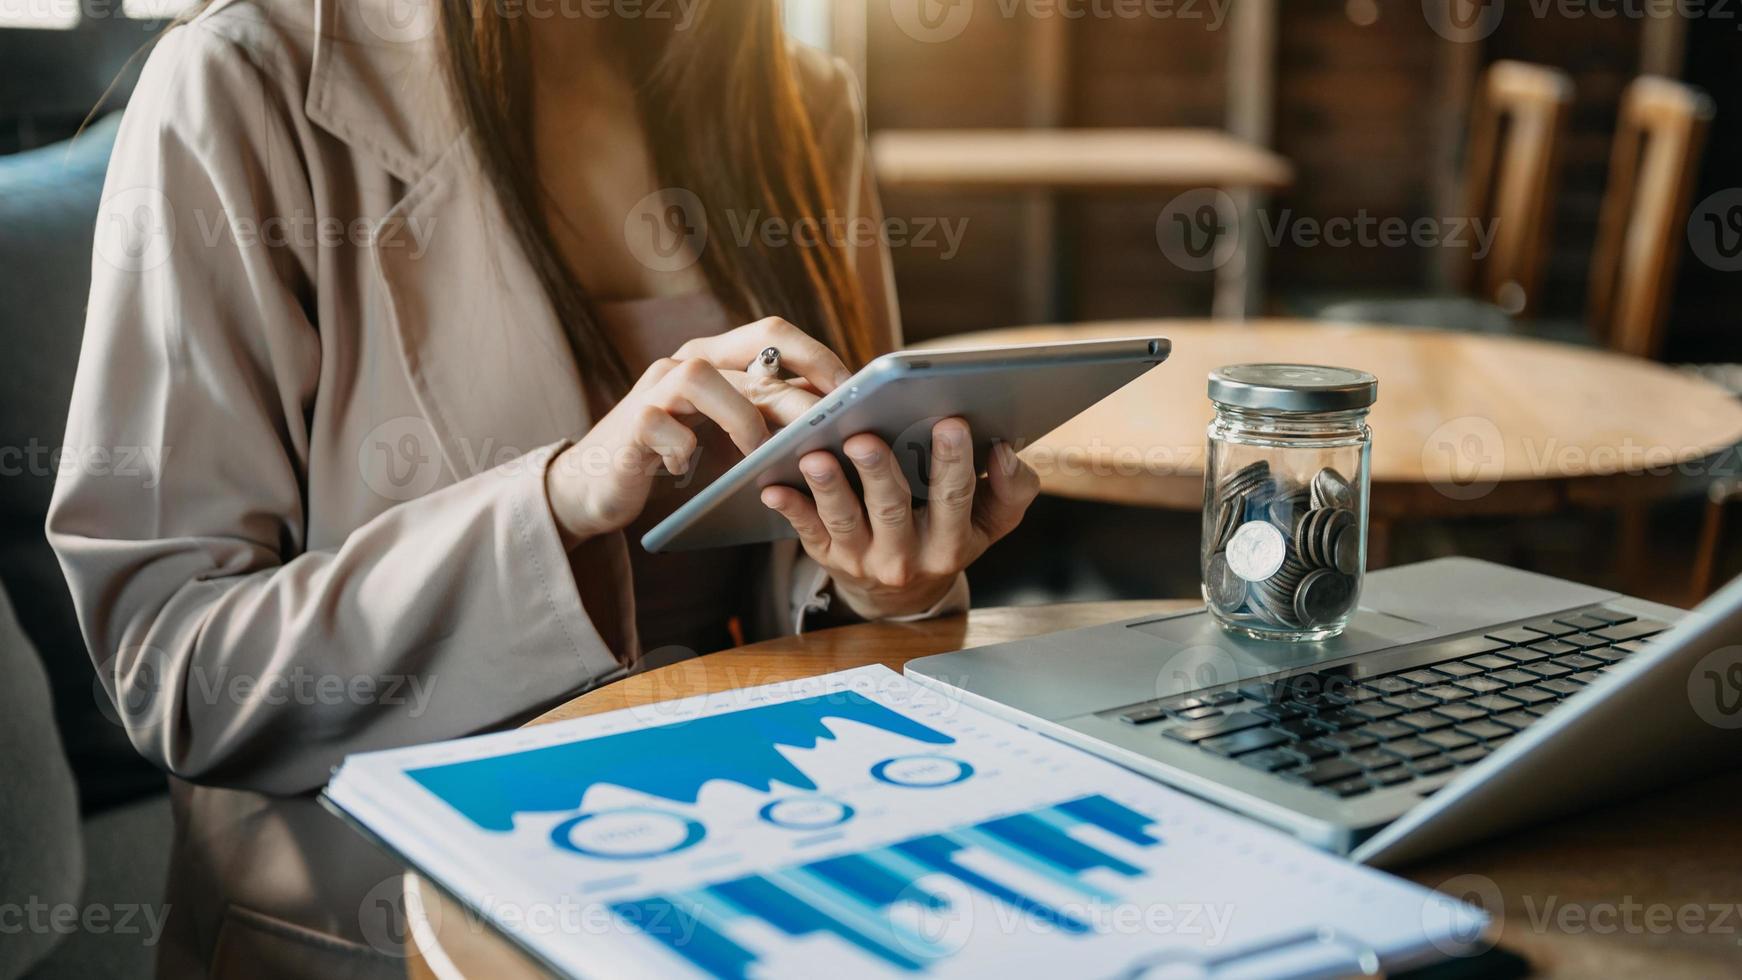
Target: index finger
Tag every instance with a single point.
(800, 353)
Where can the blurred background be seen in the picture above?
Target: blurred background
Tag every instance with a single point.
(1553, 189)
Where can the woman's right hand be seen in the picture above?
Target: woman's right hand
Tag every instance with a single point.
(601, 483)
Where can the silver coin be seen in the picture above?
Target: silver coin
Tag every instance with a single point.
(1334, 525)
(1331, 490)
(1322, 597)
(1222, 588)
(1256, 550)
(1347, 550)
(1227, 519)
(1306, 535)
(1278, 612)
(1285, 508)
(1247, 476)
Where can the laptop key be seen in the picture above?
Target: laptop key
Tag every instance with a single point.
(1239, 743)
(1314, 750)
(1386, 730)
(1548, 669)
(1220, 698)
(1614, 616)
(1284, 712)
(1639, 629)
(1392, 776)
(1425, 721)
(1470, 754)
(1432, 764)
(1409, 748)
(1526, 655)
(1340, 720)
(1530, 695)
(1516, 636)
(1351, 787)
(1457, 668)
(1463, 711)
(1608, 655)
(1491, 661)
(1410, 702)
(1485, 730)
(1197, 731)
(1550, 627)
(1372, 759)
(1389, 685)
(1298, 728)
(1445, 692)
(1269, 760)
(1378, 710)
(1330, 771)
(1424, 677)
(1449, 739)
(1481, 685)
(1563, 686)
(1194, 714)
(1583, 621)
(1586, 676)
(1348, 741)
(1512, 676)
(1516, 720)
(1143, 716)
(1585, 642)
(1553, 648)
(1493, 702)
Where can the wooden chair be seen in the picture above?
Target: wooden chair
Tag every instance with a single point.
(1511, 174)
(1640, 229)
(1652, 168)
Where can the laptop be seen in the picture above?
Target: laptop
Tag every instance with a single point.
(1465, 698)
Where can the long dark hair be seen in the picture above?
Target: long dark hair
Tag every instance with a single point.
(722, 111)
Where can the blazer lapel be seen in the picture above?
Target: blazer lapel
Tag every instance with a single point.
(489, 364)
(487, 360)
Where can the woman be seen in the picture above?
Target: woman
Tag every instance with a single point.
(393, 295)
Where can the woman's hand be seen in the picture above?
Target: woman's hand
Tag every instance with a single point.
(887, 558)
(601, 483)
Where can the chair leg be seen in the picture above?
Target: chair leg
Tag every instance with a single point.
(1634, 535)
(1705, 565)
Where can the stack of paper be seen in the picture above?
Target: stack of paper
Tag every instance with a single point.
(857, 824)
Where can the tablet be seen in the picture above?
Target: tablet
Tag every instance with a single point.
(1006, 394)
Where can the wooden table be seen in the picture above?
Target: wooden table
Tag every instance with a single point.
(1465, 424)
(1050, 160)
(1676, 851)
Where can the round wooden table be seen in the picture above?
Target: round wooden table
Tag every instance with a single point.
(1465, 424)
(1671, 851)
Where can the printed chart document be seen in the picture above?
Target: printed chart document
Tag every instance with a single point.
(859, 825)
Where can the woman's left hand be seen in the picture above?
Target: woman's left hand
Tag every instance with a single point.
(886, 557)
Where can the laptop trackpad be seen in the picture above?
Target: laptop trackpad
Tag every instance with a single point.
(1209, 655)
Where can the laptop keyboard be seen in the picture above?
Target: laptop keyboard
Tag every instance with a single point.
(1411, 716)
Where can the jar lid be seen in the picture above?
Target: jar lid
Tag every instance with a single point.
(1293, 387)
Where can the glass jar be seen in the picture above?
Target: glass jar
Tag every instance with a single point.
(1285, 498)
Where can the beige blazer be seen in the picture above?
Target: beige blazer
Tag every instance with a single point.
(306, 513)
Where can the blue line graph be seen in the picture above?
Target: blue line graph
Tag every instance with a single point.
(850, 897)
(670, 761)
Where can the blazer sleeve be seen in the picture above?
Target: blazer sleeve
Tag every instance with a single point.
(236, 655)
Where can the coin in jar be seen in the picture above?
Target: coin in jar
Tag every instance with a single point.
(1224, 589)
(1330, 489)
(1322, 597)
(1347, 551)
(1329, 527)
(1256, 550)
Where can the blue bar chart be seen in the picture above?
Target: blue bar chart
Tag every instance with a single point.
(850, 896)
